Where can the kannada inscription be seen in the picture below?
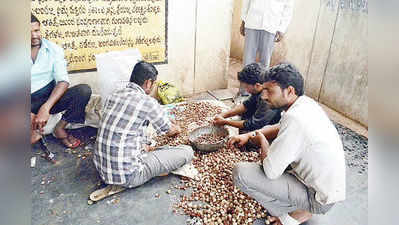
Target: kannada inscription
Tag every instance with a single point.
(84, 28)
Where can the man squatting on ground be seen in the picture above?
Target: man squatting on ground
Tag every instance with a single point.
(49, 89)
(122, 155)
(255, 112)
(303, 170)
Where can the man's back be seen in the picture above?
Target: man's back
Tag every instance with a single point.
(121, 134)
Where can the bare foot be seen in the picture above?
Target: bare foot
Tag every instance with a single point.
(301, 215)
(274, 220)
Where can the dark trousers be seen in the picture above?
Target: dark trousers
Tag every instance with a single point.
(74, 101)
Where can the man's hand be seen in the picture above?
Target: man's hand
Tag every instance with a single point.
(258, 137)
(242, 28)
(219, 120)
(149, 148)
(239, 140)
(41, 118)
(178, 129)
(279, 36)
(174, 130)
(262, 154)
(32, 121)
(264, 144)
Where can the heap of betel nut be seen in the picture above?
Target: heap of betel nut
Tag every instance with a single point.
(214, 198)
(210, 139)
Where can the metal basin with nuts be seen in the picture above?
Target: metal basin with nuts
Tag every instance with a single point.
(208, 138)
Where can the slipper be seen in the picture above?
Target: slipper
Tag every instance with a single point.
(62, 140)
(74, 145)
(105, 192)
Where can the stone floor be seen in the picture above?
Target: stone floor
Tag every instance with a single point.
(60, 191)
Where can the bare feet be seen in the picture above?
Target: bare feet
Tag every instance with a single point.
(301, 215)
(274, 220)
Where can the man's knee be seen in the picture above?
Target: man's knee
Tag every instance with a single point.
(240, 174)
(84, 91)
(187, 152)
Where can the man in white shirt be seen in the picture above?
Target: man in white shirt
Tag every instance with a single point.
(303, 170)
(263, 23)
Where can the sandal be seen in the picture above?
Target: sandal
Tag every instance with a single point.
(105, 192)
(66, 139)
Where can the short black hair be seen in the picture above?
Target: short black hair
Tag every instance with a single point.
(252, 74)
(34, 19)
(285, 74)
(143, 71)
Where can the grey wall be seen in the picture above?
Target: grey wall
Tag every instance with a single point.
(327, 41)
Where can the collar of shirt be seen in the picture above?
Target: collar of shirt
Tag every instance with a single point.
(43, 47)
(134, 86)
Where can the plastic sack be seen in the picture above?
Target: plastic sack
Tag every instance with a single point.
(114, 69)
(168, 93)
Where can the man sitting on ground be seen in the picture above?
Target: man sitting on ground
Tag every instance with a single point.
(122, 155)
(49, 89)
(303, 170)
(255, 112)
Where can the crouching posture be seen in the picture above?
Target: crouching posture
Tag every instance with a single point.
(122, 155)
(303, 170)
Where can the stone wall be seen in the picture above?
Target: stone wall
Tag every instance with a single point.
(327, 41)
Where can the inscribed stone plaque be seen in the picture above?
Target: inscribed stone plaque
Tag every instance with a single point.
(84, 28)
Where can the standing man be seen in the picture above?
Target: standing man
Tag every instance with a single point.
(263, 23)
(255, 112)
(303, 170)
(122, 155)
(49, 89)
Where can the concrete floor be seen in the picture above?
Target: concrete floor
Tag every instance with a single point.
(60, 191)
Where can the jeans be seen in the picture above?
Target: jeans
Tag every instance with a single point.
(74, 101)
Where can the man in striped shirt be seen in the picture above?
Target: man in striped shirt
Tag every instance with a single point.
(122, 155)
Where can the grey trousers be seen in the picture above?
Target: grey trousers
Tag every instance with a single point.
(280, 196)
(257, 41)
(163, 160)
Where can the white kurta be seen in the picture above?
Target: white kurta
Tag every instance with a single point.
(268, 15)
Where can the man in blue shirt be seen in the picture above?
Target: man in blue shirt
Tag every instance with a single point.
(49, 89)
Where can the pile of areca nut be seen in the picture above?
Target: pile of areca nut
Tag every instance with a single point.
(214, 198)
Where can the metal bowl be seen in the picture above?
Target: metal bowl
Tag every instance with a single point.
(193, 136)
